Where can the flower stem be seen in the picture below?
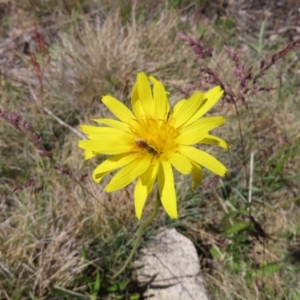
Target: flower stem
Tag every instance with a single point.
(139, 236)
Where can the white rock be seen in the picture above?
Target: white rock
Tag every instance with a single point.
(169, 268)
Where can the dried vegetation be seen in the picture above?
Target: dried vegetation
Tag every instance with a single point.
(58, 229)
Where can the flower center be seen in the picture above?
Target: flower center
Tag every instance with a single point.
(155, 136)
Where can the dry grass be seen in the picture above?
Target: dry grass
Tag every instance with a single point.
(71, 229)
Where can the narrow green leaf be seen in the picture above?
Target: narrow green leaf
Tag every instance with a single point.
(113, 288)
(85, 254)
(216, 253)
(118, 287)
(134, 297)
(97, 284)
(266, 270)
(261, 35)
(278, 168)
(236, 227)
(123, 285)
(65, 292)
(94, 296)
(84, 280)
(235, 213)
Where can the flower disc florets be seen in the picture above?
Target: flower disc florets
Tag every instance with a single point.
(156, 137)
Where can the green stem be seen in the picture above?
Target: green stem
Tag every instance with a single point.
(139, 236)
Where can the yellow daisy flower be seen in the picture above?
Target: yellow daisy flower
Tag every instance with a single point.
(147, 142)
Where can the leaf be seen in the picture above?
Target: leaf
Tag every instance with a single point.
(83, 280)
(113, 288)
(235, 213)
(134, 297)
(216, 253)
(84, 254)
(261, 35)
(236, 227)
(266, 270)
(65, 292)
(279, 167)
(97, 284)
(123, 285)
(118, 287)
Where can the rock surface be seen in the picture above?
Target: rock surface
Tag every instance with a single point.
(169, 268)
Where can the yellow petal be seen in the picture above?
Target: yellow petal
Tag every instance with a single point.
(198, 130)
(187, 110)
(109, 146)
(166, 188)
(181, 163)
(144, 187)
(118, 109)
(145, 94)
(177, 107)
(136, 104)
(89, 154)
(134, 93)
(161, 101)
(102, 133)
(209, 100)
(197, 174)
(138, 109)
(99, 176)
(154, 81)
(129, 173)
(204, 159)
(111, 164)
(114, 123)
(140, 196)
(214, 140)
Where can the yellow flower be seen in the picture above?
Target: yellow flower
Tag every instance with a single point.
(147, 142)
